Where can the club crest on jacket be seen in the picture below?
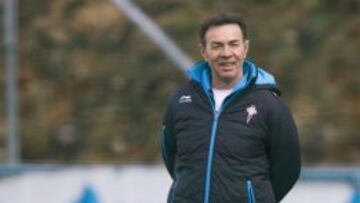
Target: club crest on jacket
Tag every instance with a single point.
(251, 112)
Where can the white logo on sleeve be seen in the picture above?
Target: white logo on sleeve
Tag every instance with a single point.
(251, 112)
(185, 99)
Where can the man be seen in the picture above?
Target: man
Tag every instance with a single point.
(227, 137)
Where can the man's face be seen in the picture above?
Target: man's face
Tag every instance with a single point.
(225, 50)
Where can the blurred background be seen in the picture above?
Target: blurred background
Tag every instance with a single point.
(90, 84)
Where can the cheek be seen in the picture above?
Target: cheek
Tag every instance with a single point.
(212, 56)
(207, 55)
(242, 54)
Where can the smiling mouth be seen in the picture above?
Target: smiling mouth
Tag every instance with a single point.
(226, 63)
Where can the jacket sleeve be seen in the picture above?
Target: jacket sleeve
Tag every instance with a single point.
(284, 149)
(167, 141)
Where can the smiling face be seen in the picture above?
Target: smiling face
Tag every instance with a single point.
(225, 50)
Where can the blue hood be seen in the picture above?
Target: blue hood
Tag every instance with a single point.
(201, 73)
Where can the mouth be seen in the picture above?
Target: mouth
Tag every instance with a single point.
(226, 63)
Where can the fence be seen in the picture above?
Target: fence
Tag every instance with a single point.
(148, 184)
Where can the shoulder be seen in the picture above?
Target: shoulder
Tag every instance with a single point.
(185, 91)
(270, 101)
(266, 96)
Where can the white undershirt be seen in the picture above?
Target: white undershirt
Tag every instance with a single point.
(219, 96)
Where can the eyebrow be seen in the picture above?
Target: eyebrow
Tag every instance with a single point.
(231, 41)
(216, 43)
(234, 41)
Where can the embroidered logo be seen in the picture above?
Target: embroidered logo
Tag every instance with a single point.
(185, 99)
(251, 112)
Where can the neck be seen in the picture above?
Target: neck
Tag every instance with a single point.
(225, 83)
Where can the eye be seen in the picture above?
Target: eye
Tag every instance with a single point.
(235, 44)
(216, 46)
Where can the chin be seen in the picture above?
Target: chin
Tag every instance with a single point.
(227, 77)
(228, 74)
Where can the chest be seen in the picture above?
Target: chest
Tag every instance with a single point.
(239, 130)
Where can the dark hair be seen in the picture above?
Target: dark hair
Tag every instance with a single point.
(222, 19)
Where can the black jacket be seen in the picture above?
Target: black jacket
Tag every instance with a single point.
(246, 153)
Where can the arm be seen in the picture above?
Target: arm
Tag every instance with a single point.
(284, 149)
(168, 142)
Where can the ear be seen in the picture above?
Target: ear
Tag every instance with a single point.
(246, 47)
(203, 51)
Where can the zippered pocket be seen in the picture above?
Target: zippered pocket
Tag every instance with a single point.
(250, 192)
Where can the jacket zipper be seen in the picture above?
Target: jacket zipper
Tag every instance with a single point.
(250, 192)
(212, 146)
(210, 157)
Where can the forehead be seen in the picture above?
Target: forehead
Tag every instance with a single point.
(224, 33)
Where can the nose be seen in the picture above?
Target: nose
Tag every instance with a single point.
(226, 52)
